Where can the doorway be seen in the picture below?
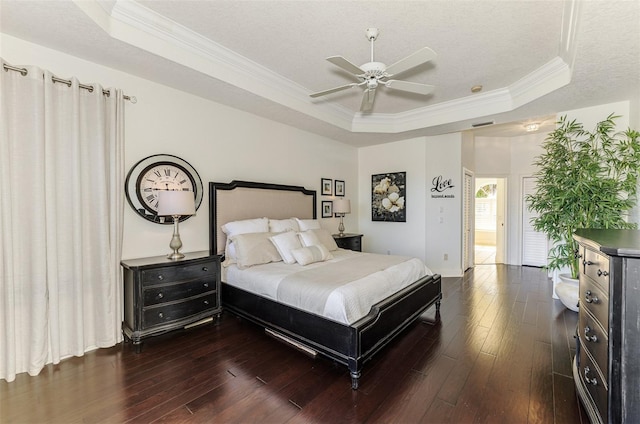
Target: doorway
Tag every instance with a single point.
(490, 215)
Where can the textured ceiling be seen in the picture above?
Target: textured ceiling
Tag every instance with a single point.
(533, 58)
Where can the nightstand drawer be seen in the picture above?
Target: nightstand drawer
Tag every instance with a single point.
(171, 292)
(594, 340)
(596, 266)
(593, 298)
(593, 382)
(168, 274)
(168, 312)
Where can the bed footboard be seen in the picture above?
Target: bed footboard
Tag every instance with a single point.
(351, 345)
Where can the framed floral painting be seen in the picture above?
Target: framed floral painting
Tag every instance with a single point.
(388, 197)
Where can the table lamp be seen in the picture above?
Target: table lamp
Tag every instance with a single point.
(176, 204)
(341, 207)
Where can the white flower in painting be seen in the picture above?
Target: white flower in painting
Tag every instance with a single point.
(393, 203)
(382, 186)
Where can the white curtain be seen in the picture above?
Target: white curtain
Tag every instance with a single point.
(61, 213)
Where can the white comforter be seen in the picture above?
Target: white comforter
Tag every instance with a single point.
(346, 303)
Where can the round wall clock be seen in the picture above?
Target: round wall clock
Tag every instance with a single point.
(155, 173)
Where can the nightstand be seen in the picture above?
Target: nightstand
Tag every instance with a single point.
(162, 295)
(349, 241)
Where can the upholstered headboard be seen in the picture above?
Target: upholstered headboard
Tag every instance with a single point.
(239, 200)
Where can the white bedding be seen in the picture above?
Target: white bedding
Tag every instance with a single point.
(348, 302)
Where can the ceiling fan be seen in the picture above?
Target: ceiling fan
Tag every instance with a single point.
(372, 74)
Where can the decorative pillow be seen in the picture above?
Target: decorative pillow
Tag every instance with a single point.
(311, 254)
(285, 243)
(257, 225)
(282, 225)
(254, 249)
(308, 224)
(326, 239)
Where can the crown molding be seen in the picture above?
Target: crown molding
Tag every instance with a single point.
(135, 24)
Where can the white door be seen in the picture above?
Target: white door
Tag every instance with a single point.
(467, 225)
(501, 214)
(534, 243)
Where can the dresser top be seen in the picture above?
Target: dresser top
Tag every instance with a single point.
(163, 260)
(611, 242)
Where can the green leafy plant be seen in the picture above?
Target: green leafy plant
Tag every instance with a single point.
(584, 180)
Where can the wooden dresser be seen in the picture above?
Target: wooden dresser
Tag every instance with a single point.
(349, 241)
(162, 295)
(606, 368)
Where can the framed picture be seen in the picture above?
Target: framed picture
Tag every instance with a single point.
(388, 197)
(325, 184)
(327, 209)
(339, 188)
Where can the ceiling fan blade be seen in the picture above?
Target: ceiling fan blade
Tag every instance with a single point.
(367, 99)
(423, 55)
(333, 90)
(345, 64)
(411, 87)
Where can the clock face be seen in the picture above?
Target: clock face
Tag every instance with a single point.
(160, 172)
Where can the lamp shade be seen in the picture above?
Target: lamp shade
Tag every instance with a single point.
(176, 203)
(342, 206)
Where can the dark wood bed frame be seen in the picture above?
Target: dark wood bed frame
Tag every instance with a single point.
(351, 345)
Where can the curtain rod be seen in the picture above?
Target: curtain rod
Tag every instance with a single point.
(24, 71)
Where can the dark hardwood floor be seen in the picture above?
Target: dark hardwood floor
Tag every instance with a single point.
(500, 354)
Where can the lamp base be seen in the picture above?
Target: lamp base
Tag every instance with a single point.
(176, 243)
(175, 256)
(341, 226)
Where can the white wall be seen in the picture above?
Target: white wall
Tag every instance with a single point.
(397, 238)
(220, 142)
(443, 215)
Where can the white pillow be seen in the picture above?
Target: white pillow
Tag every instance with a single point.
(285, 243)
(257, 225)
(282, 225)
(308, 224)
(311, 254)
(254, 249)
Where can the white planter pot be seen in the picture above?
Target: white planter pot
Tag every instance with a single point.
(567, 291)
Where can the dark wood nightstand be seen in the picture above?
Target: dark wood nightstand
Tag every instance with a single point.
(349, 241)
(162, 295)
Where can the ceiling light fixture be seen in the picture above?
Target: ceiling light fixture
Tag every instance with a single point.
(534, 126)
(476, 89)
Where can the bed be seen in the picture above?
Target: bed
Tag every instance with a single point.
(350, 342)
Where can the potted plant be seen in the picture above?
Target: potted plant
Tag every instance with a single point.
(584, 180)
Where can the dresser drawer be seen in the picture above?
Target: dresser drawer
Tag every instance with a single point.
(167, 274)
(594, 383)
(167, 312)
(595, 340)
(594, 299)
(171, 292)
(596, 266)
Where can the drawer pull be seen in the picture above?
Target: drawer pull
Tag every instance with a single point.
(206, 302)
(601, 273)
(160, 315)
(585, 262)
(589, 298)
(160, 277)
(205, 269)
(589, 338)
(591, 381)
(206, 284)
(160, 295)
